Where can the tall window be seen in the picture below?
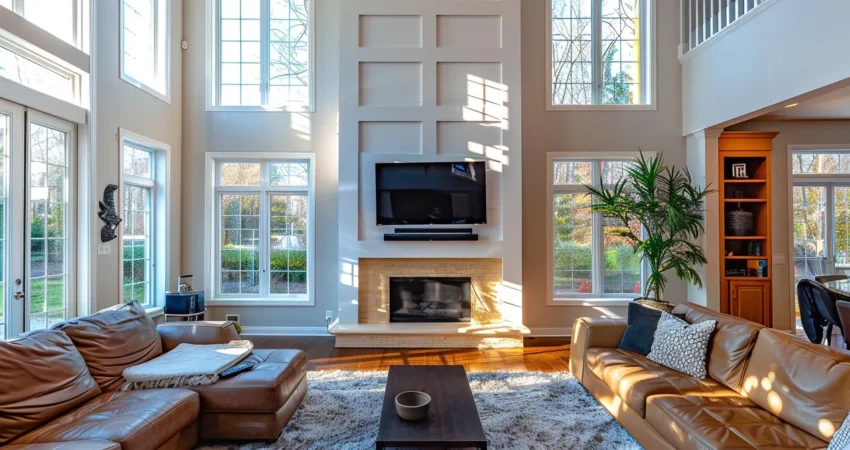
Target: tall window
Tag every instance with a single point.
(137, 242)
(263, 228)
(144, 45)
(599, 52)
(587, 260)
(263, 53)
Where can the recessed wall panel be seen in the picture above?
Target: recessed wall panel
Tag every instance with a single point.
(469, 31)
(380, 31)
(477, 87)
(391, 137)
(390, 84)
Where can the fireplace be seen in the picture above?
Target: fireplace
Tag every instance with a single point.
(430, 299)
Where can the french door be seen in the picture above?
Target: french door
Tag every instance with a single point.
(37, 163)
(821, 228)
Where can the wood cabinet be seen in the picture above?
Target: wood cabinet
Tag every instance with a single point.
(750, 300)
(744, 190)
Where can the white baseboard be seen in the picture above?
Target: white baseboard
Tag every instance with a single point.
(551, 332)
(284, 331)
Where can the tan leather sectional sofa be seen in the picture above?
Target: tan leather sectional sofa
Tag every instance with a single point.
(61, 388)
(766, 388)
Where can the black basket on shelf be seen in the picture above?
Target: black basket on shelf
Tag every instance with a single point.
(740, 222)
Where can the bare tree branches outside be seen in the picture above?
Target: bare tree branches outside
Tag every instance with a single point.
(596, 52)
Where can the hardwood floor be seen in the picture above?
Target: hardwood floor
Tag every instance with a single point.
(539, 354)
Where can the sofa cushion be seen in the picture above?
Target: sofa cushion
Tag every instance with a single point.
(634, 378)
(135, 419)
(804, 384)
(114, 339)
(730, 345)
(704, 421)
(43, 376)
(75, 445)
(263, 389)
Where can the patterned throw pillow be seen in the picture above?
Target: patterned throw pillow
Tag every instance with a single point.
(682, 346)
(841, 438)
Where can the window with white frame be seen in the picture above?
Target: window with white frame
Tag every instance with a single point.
(145, 45)
(599, 52)
(137, 241)
(27, 68)
(263, 228)
(263, 53)
(62, 18)
(587, 259)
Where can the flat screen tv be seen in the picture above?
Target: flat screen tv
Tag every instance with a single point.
(437, 193)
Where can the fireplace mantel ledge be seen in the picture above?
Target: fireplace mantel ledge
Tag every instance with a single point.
(492, 329)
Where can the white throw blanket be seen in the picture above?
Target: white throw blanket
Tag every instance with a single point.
(187, 365)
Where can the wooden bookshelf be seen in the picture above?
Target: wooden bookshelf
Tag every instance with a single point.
(746, 260)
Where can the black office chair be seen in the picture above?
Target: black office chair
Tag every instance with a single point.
(812, 298)
(828, 278)
(844, 315)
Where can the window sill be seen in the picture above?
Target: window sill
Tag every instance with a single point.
(269, 302)
(551, 107)
(591, 302)
(153, 92)
(271, 109)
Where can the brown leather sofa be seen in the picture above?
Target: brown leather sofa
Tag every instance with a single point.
(62, 388)
(766, 388)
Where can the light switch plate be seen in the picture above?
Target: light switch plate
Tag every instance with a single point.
(779, 258)
(104, 248)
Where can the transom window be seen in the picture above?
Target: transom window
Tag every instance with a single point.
(264, 229)
(599, 52)
(263, 54)
(587, 261)
(144, 45)
(137, 240)
(62, 18)
(38, 74)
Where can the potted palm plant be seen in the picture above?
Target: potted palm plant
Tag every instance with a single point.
(670, 210)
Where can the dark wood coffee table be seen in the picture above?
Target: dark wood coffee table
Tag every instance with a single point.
(452, 421)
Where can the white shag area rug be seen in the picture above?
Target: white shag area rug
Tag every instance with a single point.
(519, 410)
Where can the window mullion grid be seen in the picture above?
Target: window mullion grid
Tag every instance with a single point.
(265, 231)
(265, 53)
(597, 239)
(217, 60)
(596, 55)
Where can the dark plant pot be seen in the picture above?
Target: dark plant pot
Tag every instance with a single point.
(660, 305)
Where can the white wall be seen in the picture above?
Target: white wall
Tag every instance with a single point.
(122, 105)
(812, 132)
(264, 132)
(787, 48)
(551, 131)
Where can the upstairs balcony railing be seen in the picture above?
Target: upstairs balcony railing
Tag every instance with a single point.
(705, 19)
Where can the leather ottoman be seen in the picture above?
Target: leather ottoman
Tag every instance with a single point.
(256, 404)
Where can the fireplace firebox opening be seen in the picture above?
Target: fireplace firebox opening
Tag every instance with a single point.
(430, 299)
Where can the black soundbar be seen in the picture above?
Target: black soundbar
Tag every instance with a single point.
(431, 234)
(431, 237)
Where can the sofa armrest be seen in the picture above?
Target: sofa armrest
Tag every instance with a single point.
(589, 333)
(70, 445)
(203, 333)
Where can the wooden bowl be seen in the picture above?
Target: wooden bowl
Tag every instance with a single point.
(412, 405)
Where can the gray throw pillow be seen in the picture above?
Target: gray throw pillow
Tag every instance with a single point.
(841, 438)
(682, 346)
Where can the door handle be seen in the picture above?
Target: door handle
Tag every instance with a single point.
(20, 295)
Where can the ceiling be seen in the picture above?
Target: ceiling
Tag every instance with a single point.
(832, 105)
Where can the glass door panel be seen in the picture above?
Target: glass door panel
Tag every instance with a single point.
(12, 302)
(841, 229)
(809, 227)
(49, 147)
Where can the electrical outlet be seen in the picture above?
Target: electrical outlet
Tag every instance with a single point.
(232, 317)
(329, 316)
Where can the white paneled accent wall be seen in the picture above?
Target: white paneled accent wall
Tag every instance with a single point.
(429, 80)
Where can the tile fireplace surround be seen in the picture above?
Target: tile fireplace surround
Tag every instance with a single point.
(489, 327)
